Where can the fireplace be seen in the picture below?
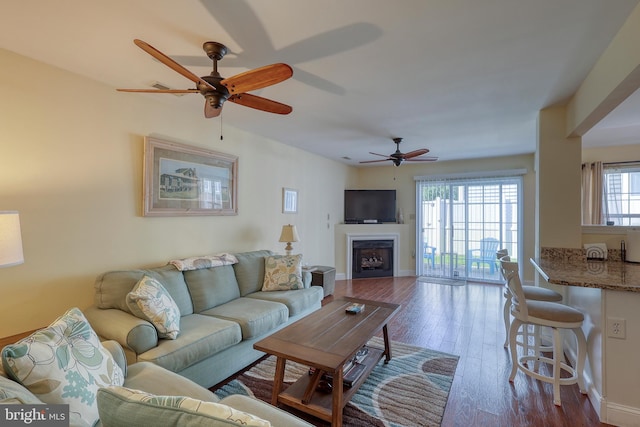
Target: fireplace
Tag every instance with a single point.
(352, 238)
(372, 258)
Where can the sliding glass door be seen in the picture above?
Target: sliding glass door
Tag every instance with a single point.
(463, 222)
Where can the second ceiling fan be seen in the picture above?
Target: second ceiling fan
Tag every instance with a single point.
(398, 157)
(216, 89)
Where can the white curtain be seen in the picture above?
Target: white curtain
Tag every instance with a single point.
(592, 193)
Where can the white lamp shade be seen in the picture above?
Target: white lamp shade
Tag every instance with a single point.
(289, 234)
(10, 239)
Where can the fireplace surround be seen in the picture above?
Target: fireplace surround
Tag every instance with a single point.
(383, 258)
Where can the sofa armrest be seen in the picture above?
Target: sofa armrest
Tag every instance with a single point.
(117, 352)
(306, 279)
(276, 416)
(129, 331)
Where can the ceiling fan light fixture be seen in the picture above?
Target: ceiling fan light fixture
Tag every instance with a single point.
(215, 99)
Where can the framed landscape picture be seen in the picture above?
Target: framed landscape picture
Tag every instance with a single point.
(184, 180)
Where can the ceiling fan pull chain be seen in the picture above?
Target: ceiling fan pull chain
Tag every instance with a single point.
(221, 137)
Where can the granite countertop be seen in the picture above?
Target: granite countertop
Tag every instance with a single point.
(570, 267)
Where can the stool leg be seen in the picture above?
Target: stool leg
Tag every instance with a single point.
(536, 347)
(557, 357)
(506, 313)
(582, 354)
(513, 346)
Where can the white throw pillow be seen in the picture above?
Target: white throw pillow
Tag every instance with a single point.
(149, 300)
(282, 273)
(64, 363)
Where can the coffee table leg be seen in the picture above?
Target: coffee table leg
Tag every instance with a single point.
(278, 380)
(336, 410)
(387, 346)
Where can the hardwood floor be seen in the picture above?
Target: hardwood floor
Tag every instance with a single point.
(467, 321)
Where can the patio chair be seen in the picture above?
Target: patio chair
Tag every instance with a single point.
(485, 255)
(429, 254)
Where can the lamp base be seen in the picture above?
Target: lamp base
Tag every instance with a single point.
(288, 248)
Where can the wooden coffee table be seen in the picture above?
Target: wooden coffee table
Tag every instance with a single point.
(326, 340)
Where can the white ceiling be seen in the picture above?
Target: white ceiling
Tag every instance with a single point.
(464, 78)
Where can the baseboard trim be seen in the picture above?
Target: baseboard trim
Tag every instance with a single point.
(620, 415)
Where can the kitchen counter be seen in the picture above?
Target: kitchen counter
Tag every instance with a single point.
(612, 275)
(608, 294)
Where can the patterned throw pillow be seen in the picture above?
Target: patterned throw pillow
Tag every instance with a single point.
(64, 363)
(149, 300)
(282, 273)
(123, 406)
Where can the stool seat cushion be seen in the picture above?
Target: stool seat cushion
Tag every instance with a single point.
(554, 312)
(537, 293)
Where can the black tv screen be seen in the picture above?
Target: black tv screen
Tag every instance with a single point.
(369, 206)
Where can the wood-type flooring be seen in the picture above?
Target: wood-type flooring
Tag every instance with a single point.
(467, 321)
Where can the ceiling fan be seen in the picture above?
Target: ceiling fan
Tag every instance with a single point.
(216, 89)
(398, 157)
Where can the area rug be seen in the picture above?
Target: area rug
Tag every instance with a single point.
(411, 390)
(442, 281)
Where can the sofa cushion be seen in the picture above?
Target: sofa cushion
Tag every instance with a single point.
(255, 317)
(64, 363)
(149, 300)
(210, 287)
(282, 273)
(297, 301)
(112, 287)
(200, 338)
(250, 270)
(154, 379)
(122, 406)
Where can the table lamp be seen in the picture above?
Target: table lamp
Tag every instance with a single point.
(289, 234)
(10, 239)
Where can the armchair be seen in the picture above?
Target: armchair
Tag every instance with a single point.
(429, 254)
(486, 254)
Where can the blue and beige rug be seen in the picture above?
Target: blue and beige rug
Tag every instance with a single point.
(411, 390)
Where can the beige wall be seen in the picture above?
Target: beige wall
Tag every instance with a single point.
(71, 164)
(402, 179)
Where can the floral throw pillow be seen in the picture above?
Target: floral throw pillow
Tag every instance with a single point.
(124, 406)
(149, 300)
(64, 363)
(282, 273)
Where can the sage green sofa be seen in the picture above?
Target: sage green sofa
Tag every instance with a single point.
(150, 378)
(223, 313)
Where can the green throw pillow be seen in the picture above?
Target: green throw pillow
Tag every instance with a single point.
(121, 406)
(149, 300)
(64, 363)
(282, 273)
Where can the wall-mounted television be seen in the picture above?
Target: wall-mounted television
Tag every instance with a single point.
(369, 206)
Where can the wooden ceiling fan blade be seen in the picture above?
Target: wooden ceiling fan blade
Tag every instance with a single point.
(415, 153)
(258, 78)
(160, 90)
(376, 161)
(210, 111)
(260, 103)
(170, 62)
(381, 155)
(423, 159)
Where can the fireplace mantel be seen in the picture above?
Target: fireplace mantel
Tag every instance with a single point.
(351, 237)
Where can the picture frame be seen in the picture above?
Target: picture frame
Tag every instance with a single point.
(289, 200)
(181, 180)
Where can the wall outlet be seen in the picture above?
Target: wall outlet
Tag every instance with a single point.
(616, 327)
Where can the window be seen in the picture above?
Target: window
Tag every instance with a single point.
(621, 193)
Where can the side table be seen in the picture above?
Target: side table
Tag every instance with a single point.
(324, 276)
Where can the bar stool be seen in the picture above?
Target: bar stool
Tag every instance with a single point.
(550, 314)
(535, 293)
